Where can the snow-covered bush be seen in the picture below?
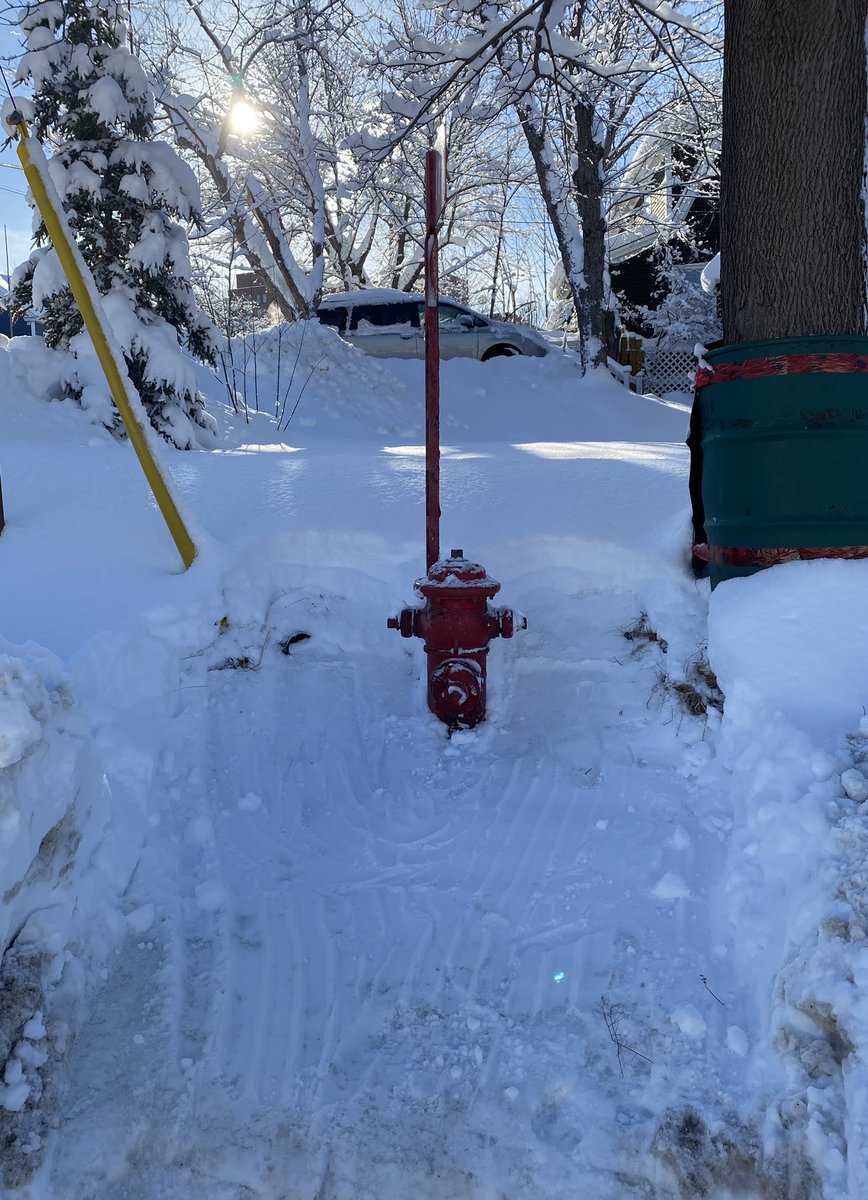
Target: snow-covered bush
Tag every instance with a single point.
(685, 316)
(123, 194)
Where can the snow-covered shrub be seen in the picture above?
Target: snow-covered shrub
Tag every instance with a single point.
(686, 316)
(562, 315)
(123, 194)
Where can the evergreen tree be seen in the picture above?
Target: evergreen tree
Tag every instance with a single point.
(121, 190)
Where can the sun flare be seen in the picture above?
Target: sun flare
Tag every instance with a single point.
(243, 117)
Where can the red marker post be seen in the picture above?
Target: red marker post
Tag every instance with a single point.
(435, 177)
(457, 621)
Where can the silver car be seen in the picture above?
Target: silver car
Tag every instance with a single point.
(390, 324)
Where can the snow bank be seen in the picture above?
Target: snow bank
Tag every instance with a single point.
(34, 371)
(324, 390)
(53, 810)
(796, 636)
(41, 740)
(299, 374)
(789, 646)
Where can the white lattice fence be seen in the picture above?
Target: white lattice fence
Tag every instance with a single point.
(669, 371)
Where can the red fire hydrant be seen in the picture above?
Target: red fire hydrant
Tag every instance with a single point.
(457, 623)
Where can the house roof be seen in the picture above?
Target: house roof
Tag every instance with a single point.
(647, 209)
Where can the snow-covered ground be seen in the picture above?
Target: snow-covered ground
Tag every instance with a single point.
(271, 933)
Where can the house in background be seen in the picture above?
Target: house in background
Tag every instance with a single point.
(27, 326)
(250, 291)
(664, 229)
(666, 206)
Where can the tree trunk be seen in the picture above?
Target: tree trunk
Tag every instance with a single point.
(401, 238)
(497, 257)
(576, 215)
(588, 191)
(564, 222)
(792, 201)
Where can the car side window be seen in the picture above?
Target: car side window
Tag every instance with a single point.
(449, 316)
(334, 315)
(377, 318)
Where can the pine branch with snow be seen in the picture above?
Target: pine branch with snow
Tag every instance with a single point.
(125, 197)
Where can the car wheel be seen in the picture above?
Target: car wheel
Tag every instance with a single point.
(500, 352)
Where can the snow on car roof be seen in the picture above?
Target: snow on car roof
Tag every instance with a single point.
(368, 296)
(379, 296)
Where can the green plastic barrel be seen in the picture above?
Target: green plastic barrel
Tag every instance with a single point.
(784, 437)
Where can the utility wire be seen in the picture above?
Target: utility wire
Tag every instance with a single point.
(6, 83)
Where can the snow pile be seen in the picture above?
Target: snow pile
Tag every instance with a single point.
(34, 373)
(710, 278)
(53, 809)
(298, 376)
(40, 742)
(797, 638)
(323, 390)
(789, 647)
(21, 695)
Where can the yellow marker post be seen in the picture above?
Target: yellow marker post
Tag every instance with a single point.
(111, 357)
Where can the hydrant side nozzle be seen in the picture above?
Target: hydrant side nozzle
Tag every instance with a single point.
(405, 622)
(507, 622)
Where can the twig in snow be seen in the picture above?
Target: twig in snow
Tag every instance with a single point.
(282, 405)
(243, 662)
(703, 979)
(277, 384)
(612, 1014)
(301, 393)
(233, 396)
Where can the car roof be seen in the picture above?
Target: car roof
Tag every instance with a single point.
(379, 296)
(368, 296)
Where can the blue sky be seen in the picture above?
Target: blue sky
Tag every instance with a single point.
(14, 212)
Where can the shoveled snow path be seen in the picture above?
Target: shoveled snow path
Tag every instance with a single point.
(319, 951)
(380, 975)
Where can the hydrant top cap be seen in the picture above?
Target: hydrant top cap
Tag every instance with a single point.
(457, 571)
